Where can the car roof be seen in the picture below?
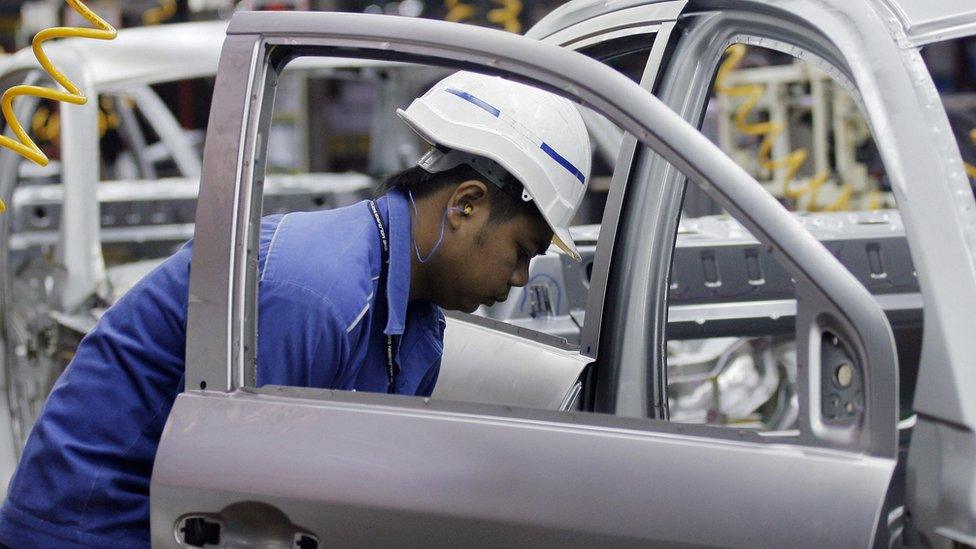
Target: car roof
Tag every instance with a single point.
(927, 21)
(576, 11)
(150, 55)
(922, 21)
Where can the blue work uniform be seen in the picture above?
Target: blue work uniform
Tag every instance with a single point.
(83, 480)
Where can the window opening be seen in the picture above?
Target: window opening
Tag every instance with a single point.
(731, 350)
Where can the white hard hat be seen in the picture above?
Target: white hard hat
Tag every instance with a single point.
(501, 127)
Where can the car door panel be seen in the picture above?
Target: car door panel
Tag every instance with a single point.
(872, 49)
(434, 468)
(432, 474)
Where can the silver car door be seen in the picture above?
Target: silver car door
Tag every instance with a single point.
(874, 48)
(355, 469)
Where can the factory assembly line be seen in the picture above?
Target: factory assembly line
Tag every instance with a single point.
(764, 340)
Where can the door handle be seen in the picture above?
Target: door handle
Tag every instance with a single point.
(198, 531)
(251, 523)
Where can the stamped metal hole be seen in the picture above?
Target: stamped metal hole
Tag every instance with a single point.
(844, 375)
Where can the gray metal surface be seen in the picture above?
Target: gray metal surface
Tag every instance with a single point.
(574, 20)
(625, 385)
(748, 318)
(209, 349)
(716, 260)
(370, 470)
(926, 21)
(133, 137)
(171, 134)
(134, 207)
(482, 364)
(576, 32)
(13, 430)
(568, 23)
(721, 274)
(80, 252)
(941, 489)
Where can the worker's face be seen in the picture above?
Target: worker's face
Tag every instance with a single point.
(485, 260)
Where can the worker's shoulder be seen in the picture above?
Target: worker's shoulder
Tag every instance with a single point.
(326, 255)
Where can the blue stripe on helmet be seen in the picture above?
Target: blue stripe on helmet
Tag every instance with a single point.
(564, 163)
(475, 101)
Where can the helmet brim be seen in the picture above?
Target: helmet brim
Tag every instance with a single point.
(564, 241)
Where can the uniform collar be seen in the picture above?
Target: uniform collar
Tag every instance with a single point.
(398, 277)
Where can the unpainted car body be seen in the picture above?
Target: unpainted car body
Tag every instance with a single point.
(464, 471)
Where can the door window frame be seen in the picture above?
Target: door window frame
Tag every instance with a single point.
(685, 85)
(221, 334)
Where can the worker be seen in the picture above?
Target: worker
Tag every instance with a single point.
(348, 299)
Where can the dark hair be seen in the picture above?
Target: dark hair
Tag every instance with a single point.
(422, 183)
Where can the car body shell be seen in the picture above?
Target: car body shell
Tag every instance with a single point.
(870, 46)
(844, 39)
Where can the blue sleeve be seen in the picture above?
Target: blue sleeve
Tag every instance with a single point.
(300, 342)
(83, 478)
(426, 387)
(429, 381)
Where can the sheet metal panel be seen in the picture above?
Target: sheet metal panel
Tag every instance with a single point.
(318, 461)
(927, 21)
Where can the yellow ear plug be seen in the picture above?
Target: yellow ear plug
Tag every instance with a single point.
(24, 145)
(970, 169)
(467, 210)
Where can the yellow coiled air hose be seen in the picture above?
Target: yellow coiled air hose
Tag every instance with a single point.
(24, 145)
(770, 131)
(46, 125)
(458, 11)
(970, 169)
(164, 12)
(507, 15)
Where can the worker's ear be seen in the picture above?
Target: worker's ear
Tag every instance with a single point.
(469, 201)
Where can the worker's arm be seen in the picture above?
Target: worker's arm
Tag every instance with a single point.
(426, 387)
(434, 351)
